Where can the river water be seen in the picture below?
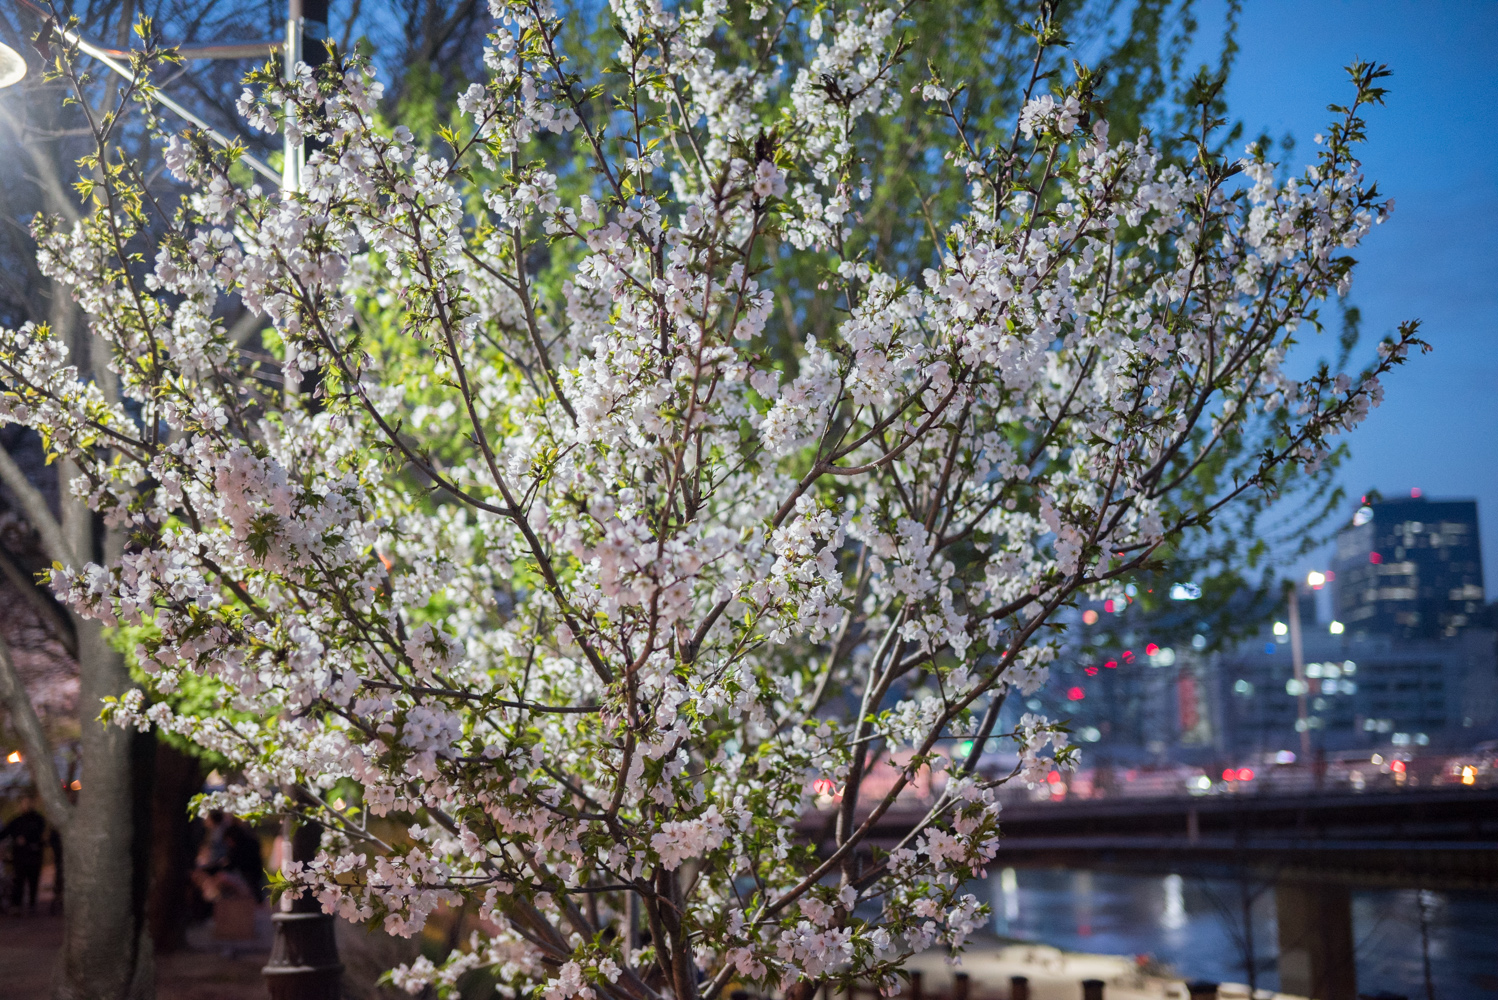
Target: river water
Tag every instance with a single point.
(1197, 926)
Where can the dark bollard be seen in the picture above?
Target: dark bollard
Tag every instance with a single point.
(1201, 990)
(303, 963)
(1019, 988)
(962, 986)
(1092, 989)
(915, 986)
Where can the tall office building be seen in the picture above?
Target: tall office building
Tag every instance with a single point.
(1409, 569)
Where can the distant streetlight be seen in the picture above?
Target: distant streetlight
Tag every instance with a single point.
(12, 66)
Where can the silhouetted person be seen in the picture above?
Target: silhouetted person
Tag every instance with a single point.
(55, 840)
(28, 835)
(242, 857)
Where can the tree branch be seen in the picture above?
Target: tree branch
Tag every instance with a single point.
(34, 506)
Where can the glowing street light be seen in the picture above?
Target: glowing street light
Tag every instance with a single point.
(12, 66)
(1316, 579)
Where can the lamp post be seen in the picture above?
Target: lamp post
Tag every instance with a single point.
(306, 42)
(303, 963)
(1298, 664)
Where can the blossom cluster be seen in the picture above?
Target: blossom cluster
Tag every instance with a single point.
(564, 595)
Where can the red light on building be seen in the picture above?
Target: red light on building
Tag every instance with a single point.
(1151, 649)
(1090, 671)
(1128, 656)
(1397, 766)
(1417, 493)
(1075, 694)
(1054, 778)
(1245, 774)
(1108, 605)
(1230, 775)
(1111, 664)
(1375, 558)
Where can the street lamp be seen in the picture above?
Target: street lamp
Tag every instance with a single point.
(12, 66)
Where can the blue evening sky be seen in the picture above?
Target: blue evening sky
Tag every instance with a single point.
(1434, 148)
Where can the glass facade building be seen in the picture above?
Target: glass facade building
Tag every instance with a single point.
(1411, 569)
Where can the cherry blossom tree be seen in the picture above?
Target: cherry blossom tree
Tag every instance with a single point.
(538, 550)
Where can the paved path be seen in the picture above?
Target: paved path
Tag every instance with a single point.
(28, 950)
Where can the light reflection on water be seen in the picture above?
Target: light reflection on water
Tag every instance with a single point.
(1197, 926)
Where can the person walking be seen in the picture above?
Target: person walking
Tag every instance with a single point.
(27, 832)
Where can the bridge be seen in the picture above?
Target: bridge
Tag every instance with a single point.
(1312, 847)
(1426, 839)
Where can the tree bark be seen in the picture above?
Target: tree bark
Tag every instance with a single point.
(106, 953)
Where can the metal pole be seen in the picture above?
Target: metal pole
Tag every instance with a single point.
(291, 52)
(306, 42)
(1298, 659)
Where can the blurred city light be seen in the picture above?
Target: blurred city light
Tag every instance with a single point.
(14, 758)
(1316, 579)
(1280, 628)
(1336, 628)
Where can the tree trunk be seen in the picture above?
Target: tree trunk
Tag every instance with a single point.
(106, 953)
(178, 778)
